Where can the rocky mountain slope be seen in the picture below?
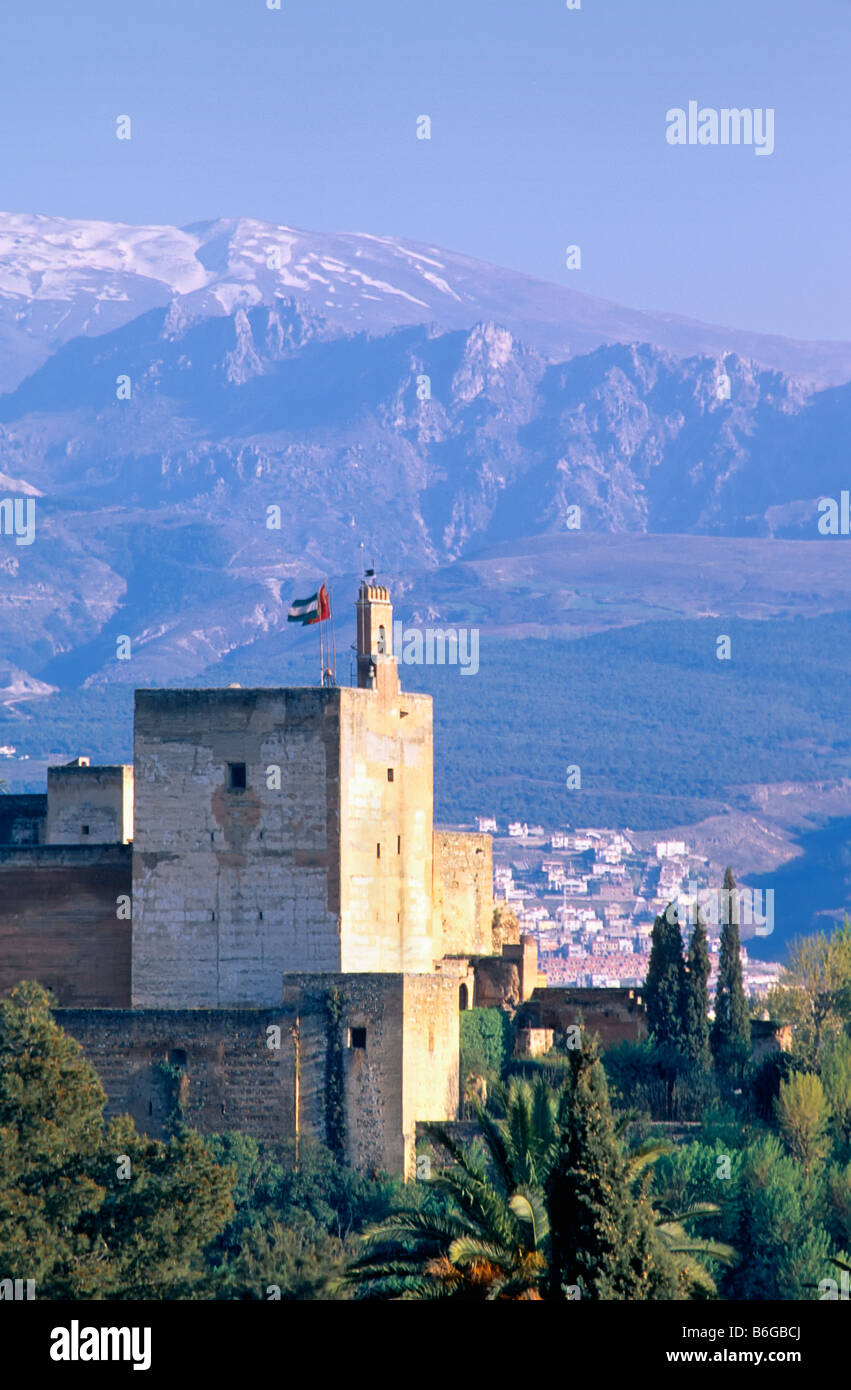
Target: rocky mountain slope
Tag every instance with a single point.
(206, 420)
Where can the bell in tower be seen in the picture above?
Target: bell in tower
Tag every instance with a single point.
(377, 669)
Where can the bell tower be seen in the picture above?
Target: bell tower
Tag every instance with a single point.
(377, 669)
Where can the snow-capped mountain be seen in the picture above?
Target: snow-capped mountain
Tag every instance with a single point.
(267, 368)
(62, 278)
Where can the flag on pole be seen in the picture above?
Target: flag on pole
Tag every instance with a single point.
(310, 610)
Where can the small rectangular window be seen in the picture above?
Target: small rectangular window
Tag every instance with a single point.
(398, 844)
(236, 777)
(378, 850)
(358, 1037)
(389, 774)
(85, 829)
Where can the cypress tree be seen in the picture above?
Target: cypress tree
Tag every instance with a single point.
(695, 1007)
(730, 1037)
(602, 1233)
(663, 988)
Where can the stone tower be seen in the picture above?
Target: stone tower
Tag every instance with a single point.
(282, 831)
(377, 667)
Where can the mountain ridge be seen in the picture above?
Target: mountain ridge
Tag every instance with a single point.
(61, 278)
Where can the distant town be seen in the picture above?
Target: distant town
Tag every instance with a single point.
(590, 898)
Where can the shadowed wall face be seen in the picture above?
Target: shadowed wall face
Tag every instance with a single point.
(60, 924)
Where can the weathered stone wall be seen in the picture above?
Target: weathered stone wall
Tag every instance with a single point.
(497, 983)
(371, 1075)
(406, 1071)
(386, 771)
(616, 1015)
(431, 1042)
(89, 805)
(234, 886)
(233, 1080)
(508, 980)
(59, 922)
(463, 893)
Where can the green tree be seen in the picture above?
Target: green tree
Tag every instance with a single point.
(695, 1002)
(547, 1204)
(814, 991)
(488, 1236)
(730, 1036)
(663, 988)
(484, 1046)
(90, 1211)
(802, 1117)
(295, 1222)
(603, 1239)
(839, 1204)
(836, 1079)
(776, 1226)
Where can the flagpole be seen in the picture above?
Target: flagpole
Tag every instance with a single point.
(319, 625)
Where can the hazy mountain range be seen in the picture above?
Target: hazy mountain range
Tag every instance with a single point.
(163, 388)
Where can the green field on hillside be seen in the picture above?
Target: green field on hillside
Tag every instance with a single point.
(662, 731)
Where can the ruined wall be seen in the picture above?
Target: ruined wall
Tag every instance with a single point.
(232, 1079)
(386, 776)
(89, 805)
(463, 893)
(497, 983)
(234, 886)
(508, 980)
(616, 1015)
(59, 922)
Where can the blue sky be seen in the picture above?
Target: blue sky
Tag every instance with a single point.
(548, 128)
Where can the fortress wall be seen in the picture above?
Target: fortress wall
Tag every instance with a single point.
(89, 805)
(234, 886)
(233, 1080)
(463, 893)
(371, 1075)
(386, 831)
(431, 1052)
(616, 1015)
(59, 922)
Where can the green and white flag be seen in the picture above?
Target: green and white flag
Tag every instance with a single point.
(310, 610)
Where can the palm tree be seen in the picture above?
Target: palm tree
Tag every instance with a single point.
(483, 1232)
(488, 1237)
(686, 1251)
